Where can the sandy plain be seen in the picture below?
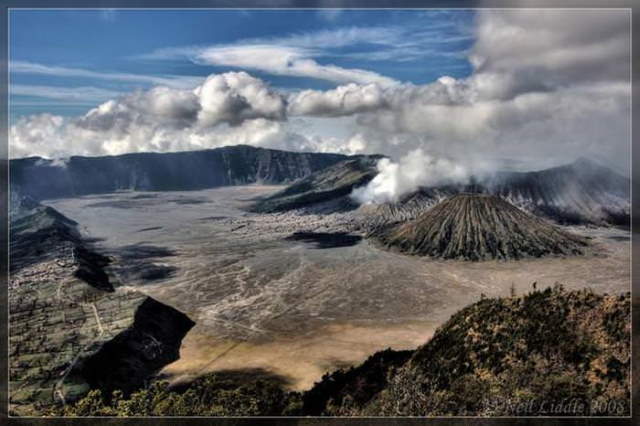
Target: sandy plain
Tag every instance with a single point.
(301, 307)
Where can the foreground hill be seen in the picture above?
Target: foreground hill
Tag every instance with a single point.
(548, 353)
(233, 165)
(532, 355)
(478, 227)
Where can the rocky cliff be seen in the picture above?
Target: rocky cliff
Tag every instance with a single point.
(233, 165)
(64, 309)
(548, 353)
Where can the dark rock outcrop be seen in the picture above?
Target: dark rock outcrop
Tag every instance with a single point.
(179, 171)
(136, 354)
(478, 227)
(49, 247)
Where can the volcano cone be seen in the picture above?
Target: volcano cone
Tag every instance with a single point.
(479, 227)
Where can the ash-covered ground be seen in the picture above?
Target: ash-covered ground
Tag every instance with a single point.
(299, 294)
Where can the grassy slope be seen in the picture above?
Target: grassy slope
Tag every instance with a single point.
(541, 349)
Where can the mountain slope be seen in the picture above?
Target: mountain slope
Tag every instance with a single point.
(66, 313)
(573, 193)
(582, 192)
(549, 352)
(478, 227)
(233, 165)
(329, 184)
(38, 233)
(577, 193)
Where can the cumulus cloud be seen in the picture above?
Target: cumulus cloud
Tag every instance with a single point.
(223, 98)
(343, 100)
(52, 136)
(354, 144)
(548, 86)
(230, 108)
(234, 97)
(353, 98)
(37, 134)
(552, 47)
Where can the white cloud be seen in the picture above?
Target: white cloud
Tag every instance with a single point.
(335, 37)
(544, 85)
(37, 134)
(74, 94)
(227, 109)
(549, 86)
(330, 15)
(180, 82)
(557, 47)
(343, 100)
(289, 61)
(296, 54)
(560, 92)
(312, 42)
(52, 136)
(234, 97)
(379, 43)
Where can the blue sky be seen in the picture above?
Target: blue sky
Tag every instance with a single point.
(65, 62)
(393, 82)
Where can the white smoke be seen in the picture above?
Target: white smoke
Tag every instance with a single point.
(414, 170)
(544, 83)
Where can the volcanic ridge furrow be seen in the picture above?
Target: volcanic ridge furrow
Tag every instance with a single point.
(478, 227)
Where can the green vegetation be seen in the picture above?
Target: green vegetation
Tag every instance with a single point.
(61, 308)
(217, 394)
(550, 352)
(517, 356)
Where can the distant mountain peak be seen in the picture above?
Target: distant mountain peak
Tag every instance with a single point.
(586, 162)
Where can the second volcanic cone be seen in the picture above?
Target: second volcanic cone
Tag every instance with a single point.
(479, 227)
